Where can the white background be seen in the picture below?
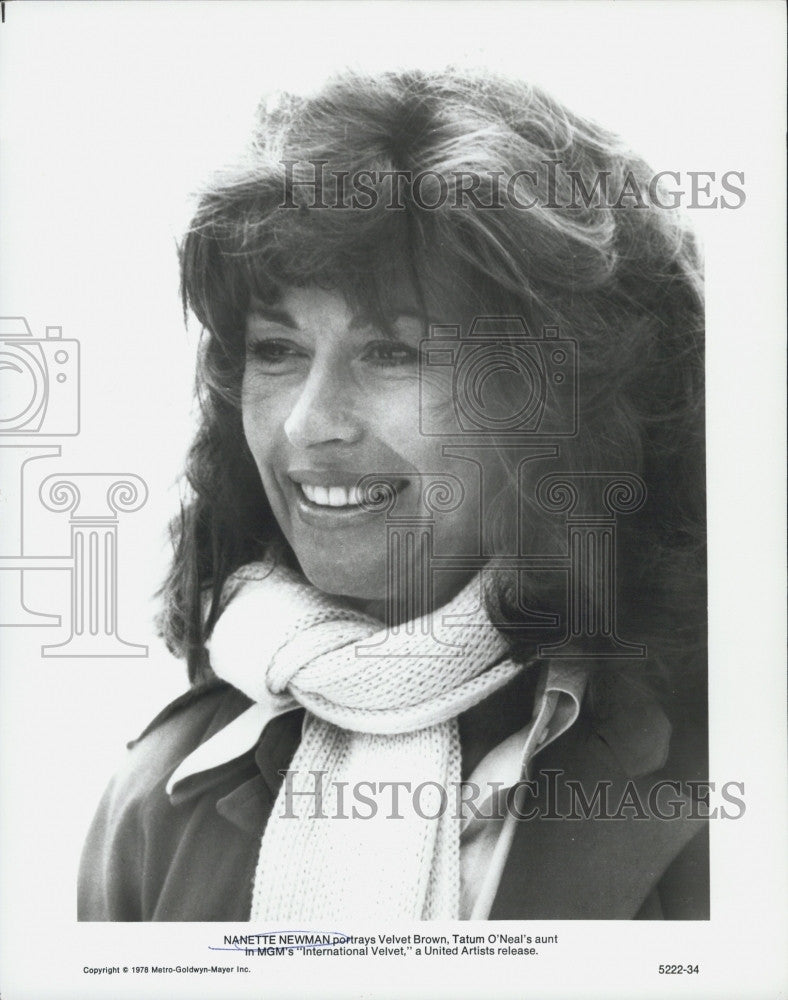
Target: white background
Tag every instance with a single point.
(112, 113)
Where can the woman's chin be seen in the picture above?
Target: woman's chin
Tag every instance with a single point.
(357, 583)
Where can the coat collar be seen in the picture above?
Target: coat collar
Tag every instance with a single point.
(635, 729)
(593, 867)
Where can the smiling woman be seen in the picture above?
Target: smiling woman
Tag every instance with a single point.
(438, 363)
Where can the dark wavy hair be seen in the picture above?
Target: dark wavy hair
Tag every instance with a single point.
(618, 274)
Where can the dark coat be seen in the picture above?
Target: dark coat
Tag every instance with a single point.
(192, 855)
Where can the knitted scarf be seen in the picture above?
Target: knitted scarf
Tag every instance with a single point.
(382, 707)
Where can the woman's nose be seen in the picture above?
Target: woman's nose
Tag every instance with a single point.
(325, 410)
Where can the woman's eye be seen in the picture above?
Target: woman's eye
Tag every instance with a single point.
(391, 354)
(272, 353)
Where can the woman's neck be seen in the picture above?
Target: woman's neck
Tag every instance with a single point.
(405, 607)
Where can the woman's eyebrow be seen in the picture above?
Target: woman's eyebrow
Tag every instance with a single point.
(271, 314)
(361, 321)
(389, 319)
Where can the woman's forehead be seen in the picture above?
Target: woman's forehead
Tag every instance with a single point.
(432, 293)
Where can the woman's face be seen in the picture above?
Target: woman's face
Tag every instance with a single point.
(328, 398)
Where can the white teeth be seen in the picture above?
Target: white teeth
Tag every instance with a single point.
(332, 496)
(321, 495)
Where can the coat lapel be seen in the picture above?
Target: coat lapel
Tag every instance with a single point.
(592, 868)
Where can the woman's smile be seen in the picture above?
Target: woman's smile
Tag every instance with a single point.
(336, 499)
(331, 496)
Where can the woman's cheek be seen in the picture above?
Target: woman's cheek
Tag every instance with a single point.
(264, 410)
(435, 407)
(253, 423)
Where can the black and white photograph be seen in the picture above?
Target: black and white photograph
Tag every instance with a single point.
(392, 578)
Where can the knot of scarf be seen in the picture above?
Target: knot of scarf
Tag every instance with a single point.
(382, 706)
